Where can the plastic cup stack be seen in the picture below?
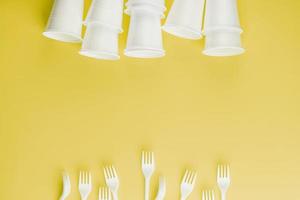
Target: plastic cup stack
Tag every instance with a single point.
(222, 29)
(185, 19)
(65, 21)
(104, 24)
(145, 36)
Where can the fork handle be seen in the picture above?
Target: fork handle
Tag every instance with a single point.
(223, 196)
(147, 188)
(115, 196)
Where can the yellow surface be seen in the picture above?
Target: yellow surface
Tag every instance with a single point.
(60, 110)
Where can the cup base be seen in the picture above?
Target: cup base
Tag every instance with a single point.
(182, 31)
(144, 53)
(100, 55)
(63, 36)
(224, 51)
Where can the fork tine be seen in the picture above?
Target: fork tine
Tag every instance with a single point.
(212, 195)
(80, 177)
(194, 178)
(111, 171)
(84, 177)
(90, 178)
(190, 177)
(218, 171)
(185, 176)
(105, 173)
(221, 171)
(114, 171)
(143, 157)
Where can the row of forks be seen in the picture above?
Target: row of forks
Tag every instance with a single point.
(148, 167)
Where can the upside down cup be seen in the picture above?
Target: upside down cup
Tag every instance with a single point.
(185, 19)
(100, 42)
(144, 37)
(65, 21)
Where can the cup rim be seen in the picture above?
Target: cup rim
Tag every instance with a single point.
(62, 35)
(174, 29)
(101, 55)
(213, 51)
(140, 52)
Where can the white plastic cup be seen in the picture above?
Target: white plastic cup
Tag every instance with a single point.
(106, 12)
(65, 21)
(223, 43)
(144, 37)
(220, 14)
(185, 19)
(100, 42)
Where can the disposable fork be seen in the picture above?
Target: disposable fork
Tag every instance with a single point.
(148, 167)
(104, 193)
(208, 195)
(85, 184)
(66, 186)
(112, 180)
(187, 184)
(223, 179)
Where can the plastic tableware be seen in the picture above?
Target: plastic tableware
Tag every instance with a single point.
(65, 21)
(100, 42)
(144, 37)
(185, 19)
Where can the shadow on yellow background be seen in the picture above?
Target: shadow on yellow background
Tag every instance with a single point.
(60, 110)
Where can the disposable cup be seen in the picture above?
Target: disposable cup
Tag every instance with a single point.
(144, 37)
(185, 19)
(221, 14)
(223, 43)
(100, 42)
(106, 12)
(65, 21)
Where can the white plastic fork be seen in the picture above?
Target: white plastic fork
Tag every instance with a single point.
(148, 167)
(208, 195)
(85, 184)
(187, 184)
(104, 193)
(223, 179)
(112, 180)
(66, 186)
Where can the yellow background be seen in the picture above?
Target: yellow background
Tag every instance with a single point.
(60, 110)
